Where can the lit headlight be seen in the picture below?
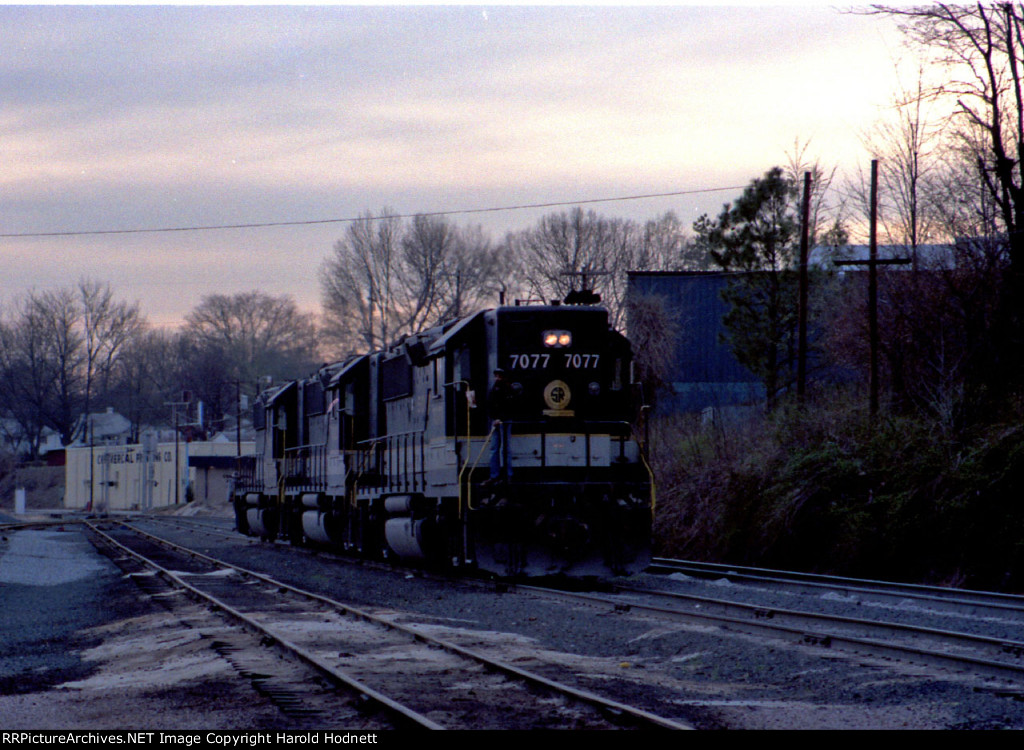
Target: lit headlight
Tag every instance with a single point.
(557, 339)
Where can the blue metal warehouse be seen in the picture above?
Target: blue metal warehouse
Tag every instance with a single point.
(705, 374)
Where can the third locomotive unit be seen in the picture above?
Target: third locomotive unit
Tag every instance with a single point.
(501, 442)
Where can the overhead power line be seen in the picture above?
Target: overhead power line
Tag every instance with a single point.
(348, 220)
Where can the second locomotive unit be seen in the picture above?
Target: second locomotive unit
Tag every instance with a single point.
(500, 442)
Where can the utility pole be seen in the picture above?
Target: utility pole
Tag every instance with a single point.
(872, 263)
(238, 424)
(92, 461)
(873, 288)
(177, 464)
(801, 357)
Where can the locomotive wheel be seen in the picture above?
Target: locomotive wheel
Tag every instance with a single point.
(241, 519)
(295, 533)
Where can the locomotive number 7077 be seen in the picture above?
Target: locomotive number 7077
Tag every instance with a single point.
(541, 361)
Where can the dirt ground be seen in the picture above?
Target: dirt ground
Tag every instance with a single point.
(44, 486)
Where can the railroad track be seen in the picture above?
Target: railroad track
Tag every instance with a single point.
(996, 661)
(998, 655)
(416, 678)
(953, 599)
(221, 528)
(38, 523)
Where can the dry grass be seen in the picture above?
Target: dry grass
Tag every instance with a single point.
(829, 489)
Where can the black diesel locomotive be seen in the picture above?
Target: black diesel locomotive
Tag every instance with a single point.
(500, 442)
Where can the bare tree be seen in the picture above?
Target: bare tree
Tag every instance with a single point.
(908, 144)
(568, 250)
(446, 271)
(385, 279)
(574, 249)
(359, 285)
(108, 325)
(654, 332)
(60, 348)
(826, 221)
(979, 47)
(145, 377)
(254, 334)
(958, 199)
(979, 50)
(663, 246)
(567, 243)
(29, 375)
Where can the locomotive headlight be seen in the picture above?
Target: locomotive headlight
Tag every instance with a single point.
(557, 339)
(595, 389)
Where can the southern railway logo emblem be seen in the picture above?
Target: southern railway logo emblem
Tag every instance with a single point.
(557, 396)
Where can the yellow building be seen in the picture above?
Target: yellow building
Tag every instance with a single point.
(142, 477)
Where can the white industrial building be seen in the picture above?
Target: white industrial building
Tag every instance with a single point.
(150, 475)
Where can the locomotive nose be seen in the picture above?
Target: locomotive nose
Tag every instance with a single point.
(570, 536)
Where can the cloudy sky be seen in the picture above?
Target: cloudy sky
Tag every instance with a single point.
(141, 117)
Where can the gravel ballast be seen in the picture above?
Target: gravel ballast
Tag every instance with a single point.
(699, 674)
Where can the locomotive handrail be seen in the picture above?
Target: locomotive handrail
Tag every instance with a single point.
(455, 437)
(469, 486)
(650, 471)
(295, 465)
(389, 441)
(621, 429)
(304, 465)
(390, 435)
(583, 425)
(364, 458)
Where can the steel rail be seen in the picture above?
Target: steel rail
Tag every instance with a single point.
(38, 522)
(611, 708)
(761, 612)
(961, 597)
(335, 675)
(199, 527)
(952, 637)
(759, 619)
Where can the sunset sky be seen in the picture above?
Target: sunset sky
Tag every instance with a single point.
(143, 117)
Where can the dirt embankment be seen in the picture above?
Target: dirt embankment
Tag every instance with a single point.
(44, 485)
